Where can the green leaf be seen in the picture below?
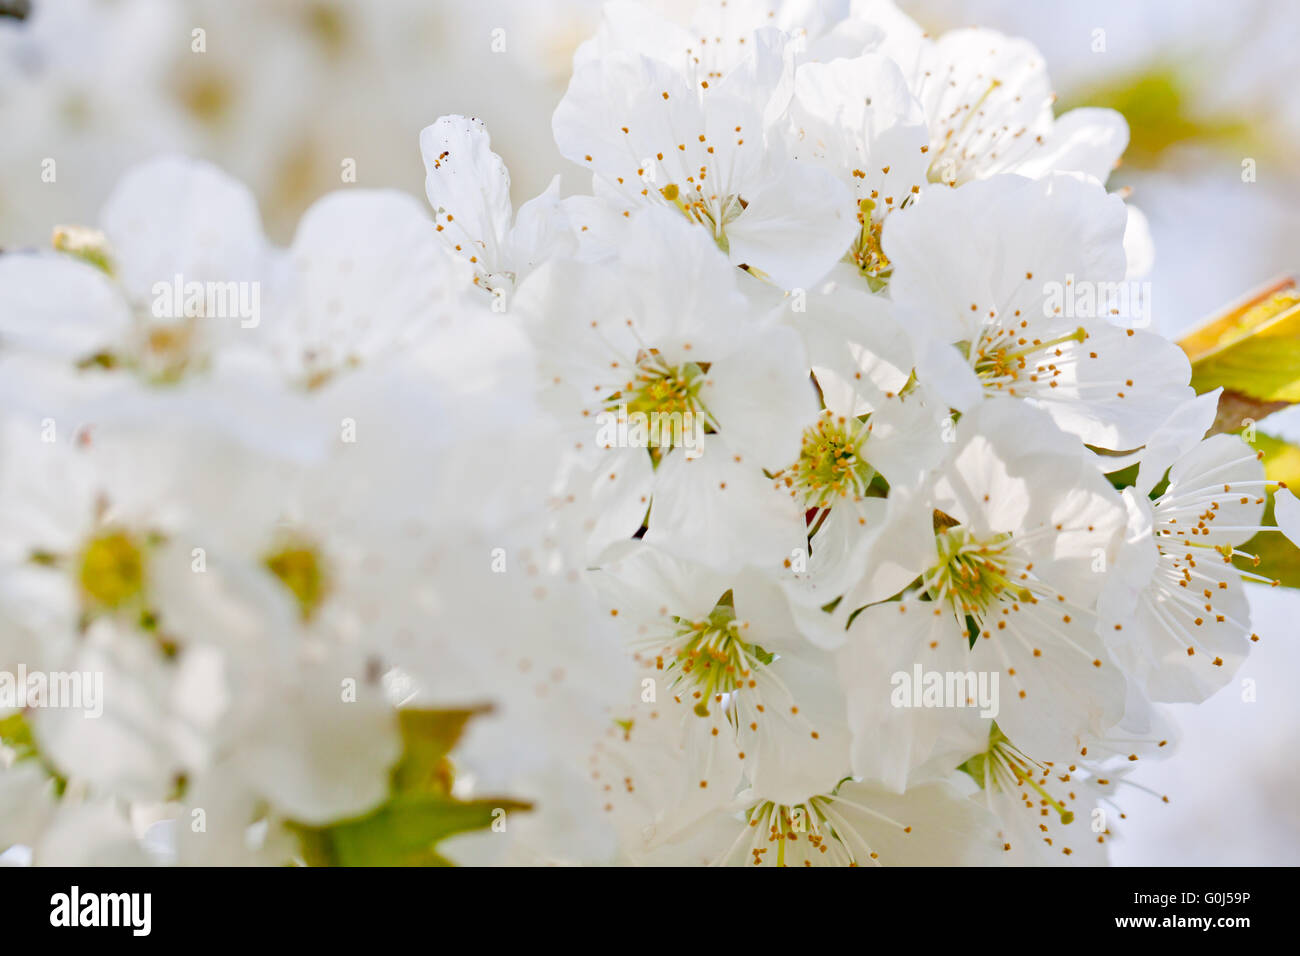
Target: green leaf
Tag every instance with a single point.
(403, 832)
(420, 810)
(1251, 350)
(1281, 459)
(16, 734)
(1158, 102)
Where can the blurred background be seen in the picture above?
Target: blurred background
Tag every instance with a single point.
(287, 94)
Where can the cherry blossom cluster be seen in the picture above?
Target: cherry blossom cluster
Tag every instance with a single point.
(807, 492)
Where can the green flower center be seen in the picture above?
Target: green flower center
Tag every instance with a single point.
(669, 398)
(831, 464)
(111, 570)
(712, 657)
(665, 389)
(972, 575)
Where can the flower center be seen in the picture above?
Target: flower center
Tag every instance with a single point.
(669, 398)
(664, 389)
(866, 251)
(831, 464)
(1001, 357)
(971, 574)
(712, 657)
(1004, 768)
(111, 570)
(783, 825)
(711, 210)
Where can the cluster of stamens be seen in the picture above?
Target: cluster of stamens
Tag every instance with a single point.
(711, 657)
(831, 463)
(972, 575)
(1002, 357)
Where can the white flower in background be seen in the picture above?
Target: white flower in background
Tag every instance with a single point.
(224, 588)
(140, 295)
(469, 188)
(363, 281)
(84, 530)
(28, 801)
(987, 102)
(87, 84)
(1010, 331)
(910, 112)
(658, 128)
(858, 119)
(87, 832)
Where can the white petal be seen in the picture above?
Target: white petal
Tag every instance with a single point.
(176, 216)
(1086, 140)
(856, 347)
(986, 253)
(796, 226)
(542, 230)
(59, 307)
(1139, 247)
(801, 745)
(932, 825)
(365, 277)
(761, 398)
(1115, 388)
(1179, 434)
(722, 512)
(1286, 511)
(894, 736)
(469, 189)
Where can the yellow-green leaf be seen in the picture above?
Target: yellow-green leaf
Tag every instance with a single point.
(16, 734)
(1158, 102)
(420, 810)
(403, 832)
(1281, 459)
(1252, 348)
